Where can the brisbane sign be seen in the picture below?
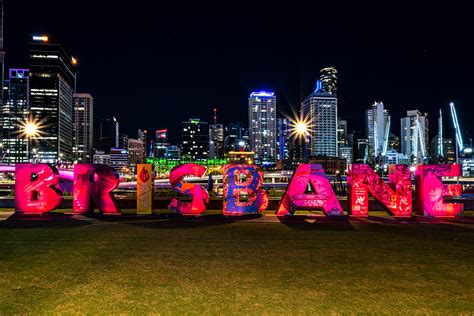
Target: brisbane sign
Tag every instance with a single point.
(36, 190)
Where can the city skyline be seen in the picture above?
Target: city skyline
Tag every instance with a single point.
(209, 74)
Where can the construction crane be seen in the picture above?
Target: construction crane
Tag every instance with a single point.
(440, 135)
(386, 136)
(418, 140)
(459, 143)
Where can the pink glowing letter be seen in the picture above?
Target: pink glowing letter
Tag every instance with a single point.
(93, 184)
(199, 195)
(323, 198)
(430, 190)
(34, 188)
(396, 198)
(242, 193)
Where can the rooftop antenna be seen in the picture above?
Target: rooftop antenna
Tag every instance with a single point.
(215, 116)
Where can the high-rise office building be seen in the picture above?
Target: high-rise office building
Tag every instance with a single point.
(320, 107)
(135, 152)
(216, 141)
(341, 132)
(161, 142)
(195, 139)
(119, 159)
(262, 126)
(377, 127)
(109, 134)
(83, 122)
(172, 153)
(142, 136)
(448, 154)
(52, 84)
(236, 137)
(415, 136)
(284, 138)
(2, 55)
(328, 77)
(101, 158)
(14, 116)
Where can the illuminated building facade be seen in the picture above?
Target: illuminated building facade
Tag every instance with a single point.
(415, 136)
(135, 152)
(236, 137)
(195, 139)
(52, 83)
(448, 154)
(341, 132)
(109, 131)
(2, 54)
(262, 127)
(320, 107)
(119, 159)
(328, 77)
(377, 125)
(13, 115)
(101, 158)
(173, 153)
(240, 157)
(216, 141)
(161, 142)
(83, 121)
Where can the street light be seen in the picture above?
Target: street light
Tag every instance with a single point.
(29, 129)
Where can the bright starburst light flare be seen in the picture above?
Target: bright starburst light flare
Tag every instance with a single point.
(300, 127)
(31, 128)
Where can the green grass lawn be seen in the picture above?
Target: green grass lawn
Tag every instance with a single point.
(216, 266)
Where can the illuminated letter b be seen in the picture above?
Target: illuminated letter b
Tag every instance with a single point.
(34, 188)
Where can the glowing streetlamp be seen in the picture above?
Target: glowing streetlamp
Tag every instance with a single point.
(300, 128)
(29, 129)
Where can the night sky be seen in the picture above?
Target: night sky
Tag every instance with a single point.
(153, 68)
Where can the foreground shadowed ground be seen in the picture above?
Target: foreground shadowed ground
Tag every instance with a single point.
(257, 265)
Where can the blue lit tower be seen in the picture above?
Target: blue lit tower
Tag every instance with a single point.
(262, 126)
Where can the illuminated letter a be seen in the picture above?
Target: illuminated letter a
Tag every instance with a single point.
(295, 197)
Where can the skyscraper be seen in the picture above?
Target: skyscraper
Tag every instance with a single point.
(14, 116)
(216, 141)
(262, 126)
(52, 83)
(236, 137)
(341, 132)
(83, 121)
(2, 54)
(142, 135)
(195, 139)
(377, 127)
(109, 131)
(320, 107)
(135, 152)
(161, 142)
(328, 77)
(415, 136)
